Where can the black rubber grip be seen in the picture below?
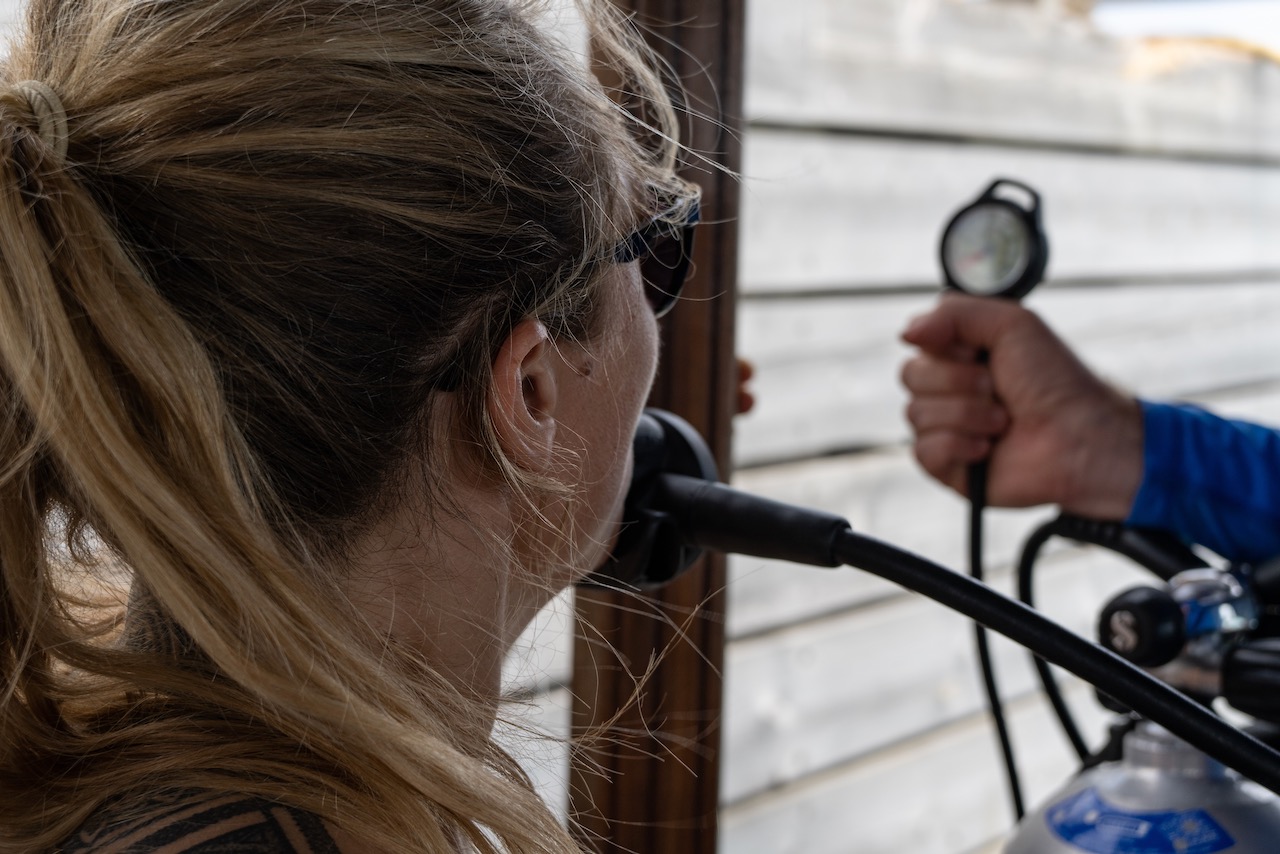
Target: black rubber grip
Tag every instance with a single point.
(720, 518)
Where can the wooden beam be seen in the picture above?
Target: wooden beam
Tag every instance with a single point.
(646, 776)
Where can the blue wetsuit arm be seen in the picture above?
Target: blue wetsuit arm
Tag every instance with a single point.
(1210, 480)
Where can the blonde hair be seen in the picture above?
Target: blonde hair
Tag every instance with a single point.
(277, 228)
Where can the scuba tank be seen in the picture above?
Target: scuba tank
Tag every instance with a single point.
(1203, 632)
(1162, 797)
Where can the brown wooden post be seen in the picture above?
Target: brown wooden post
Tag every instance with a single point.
(651, 784)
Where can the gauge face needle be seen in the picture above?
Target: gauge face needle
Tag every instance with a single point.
(995, 246)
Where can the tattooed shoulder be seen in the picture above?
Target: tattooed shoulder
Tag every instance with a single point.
(206, 824)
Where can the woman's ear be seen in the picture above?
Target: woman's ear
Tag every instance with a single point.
(522, 402)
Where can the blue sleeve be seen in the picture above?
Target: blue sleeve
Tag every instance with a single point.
(1211, 481)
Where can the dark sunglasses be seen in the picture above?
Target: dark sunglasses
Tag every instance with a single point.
(664, 248)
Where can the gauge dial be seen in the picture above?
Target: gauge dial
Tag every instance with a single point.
(987, 249)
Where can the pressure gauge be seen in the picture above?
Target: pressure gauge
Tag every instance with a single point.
(996, 246)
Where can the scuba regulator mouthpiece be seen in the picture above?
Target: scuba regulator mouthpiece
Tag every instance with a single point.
(676, 508)
(650, 550)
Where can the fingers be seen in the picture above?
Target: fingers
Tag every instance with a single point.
(973, 416)
(946, 455)
(954, 415)
(964, 322)
(927, 374)
(952, 431)
(745, 399)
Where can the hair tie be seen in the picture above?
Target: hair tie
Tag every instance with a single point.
(50, 115)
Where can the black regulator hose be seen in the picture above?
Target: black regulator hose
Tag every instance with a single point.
(977, 478)
(714, 516)
(1157, 551)
(1048, 682)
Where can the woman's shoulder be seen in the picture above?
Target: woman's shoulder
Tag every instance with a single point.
(203, 823)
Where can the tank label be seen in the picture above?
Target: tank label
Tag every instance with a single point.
(1091, 824)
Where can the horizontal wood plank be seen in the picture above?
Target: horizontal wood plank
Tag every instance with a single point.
(818, 695)
(823, 211)
(1001, 70)
(939, 794)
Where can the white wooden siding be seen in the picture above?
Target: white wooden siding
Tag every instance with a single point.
(934, 794)
(841, 211)
(853, 719)
(994, 71)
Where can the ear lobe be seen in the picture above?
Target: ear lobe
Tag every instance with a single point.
(522, 402)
